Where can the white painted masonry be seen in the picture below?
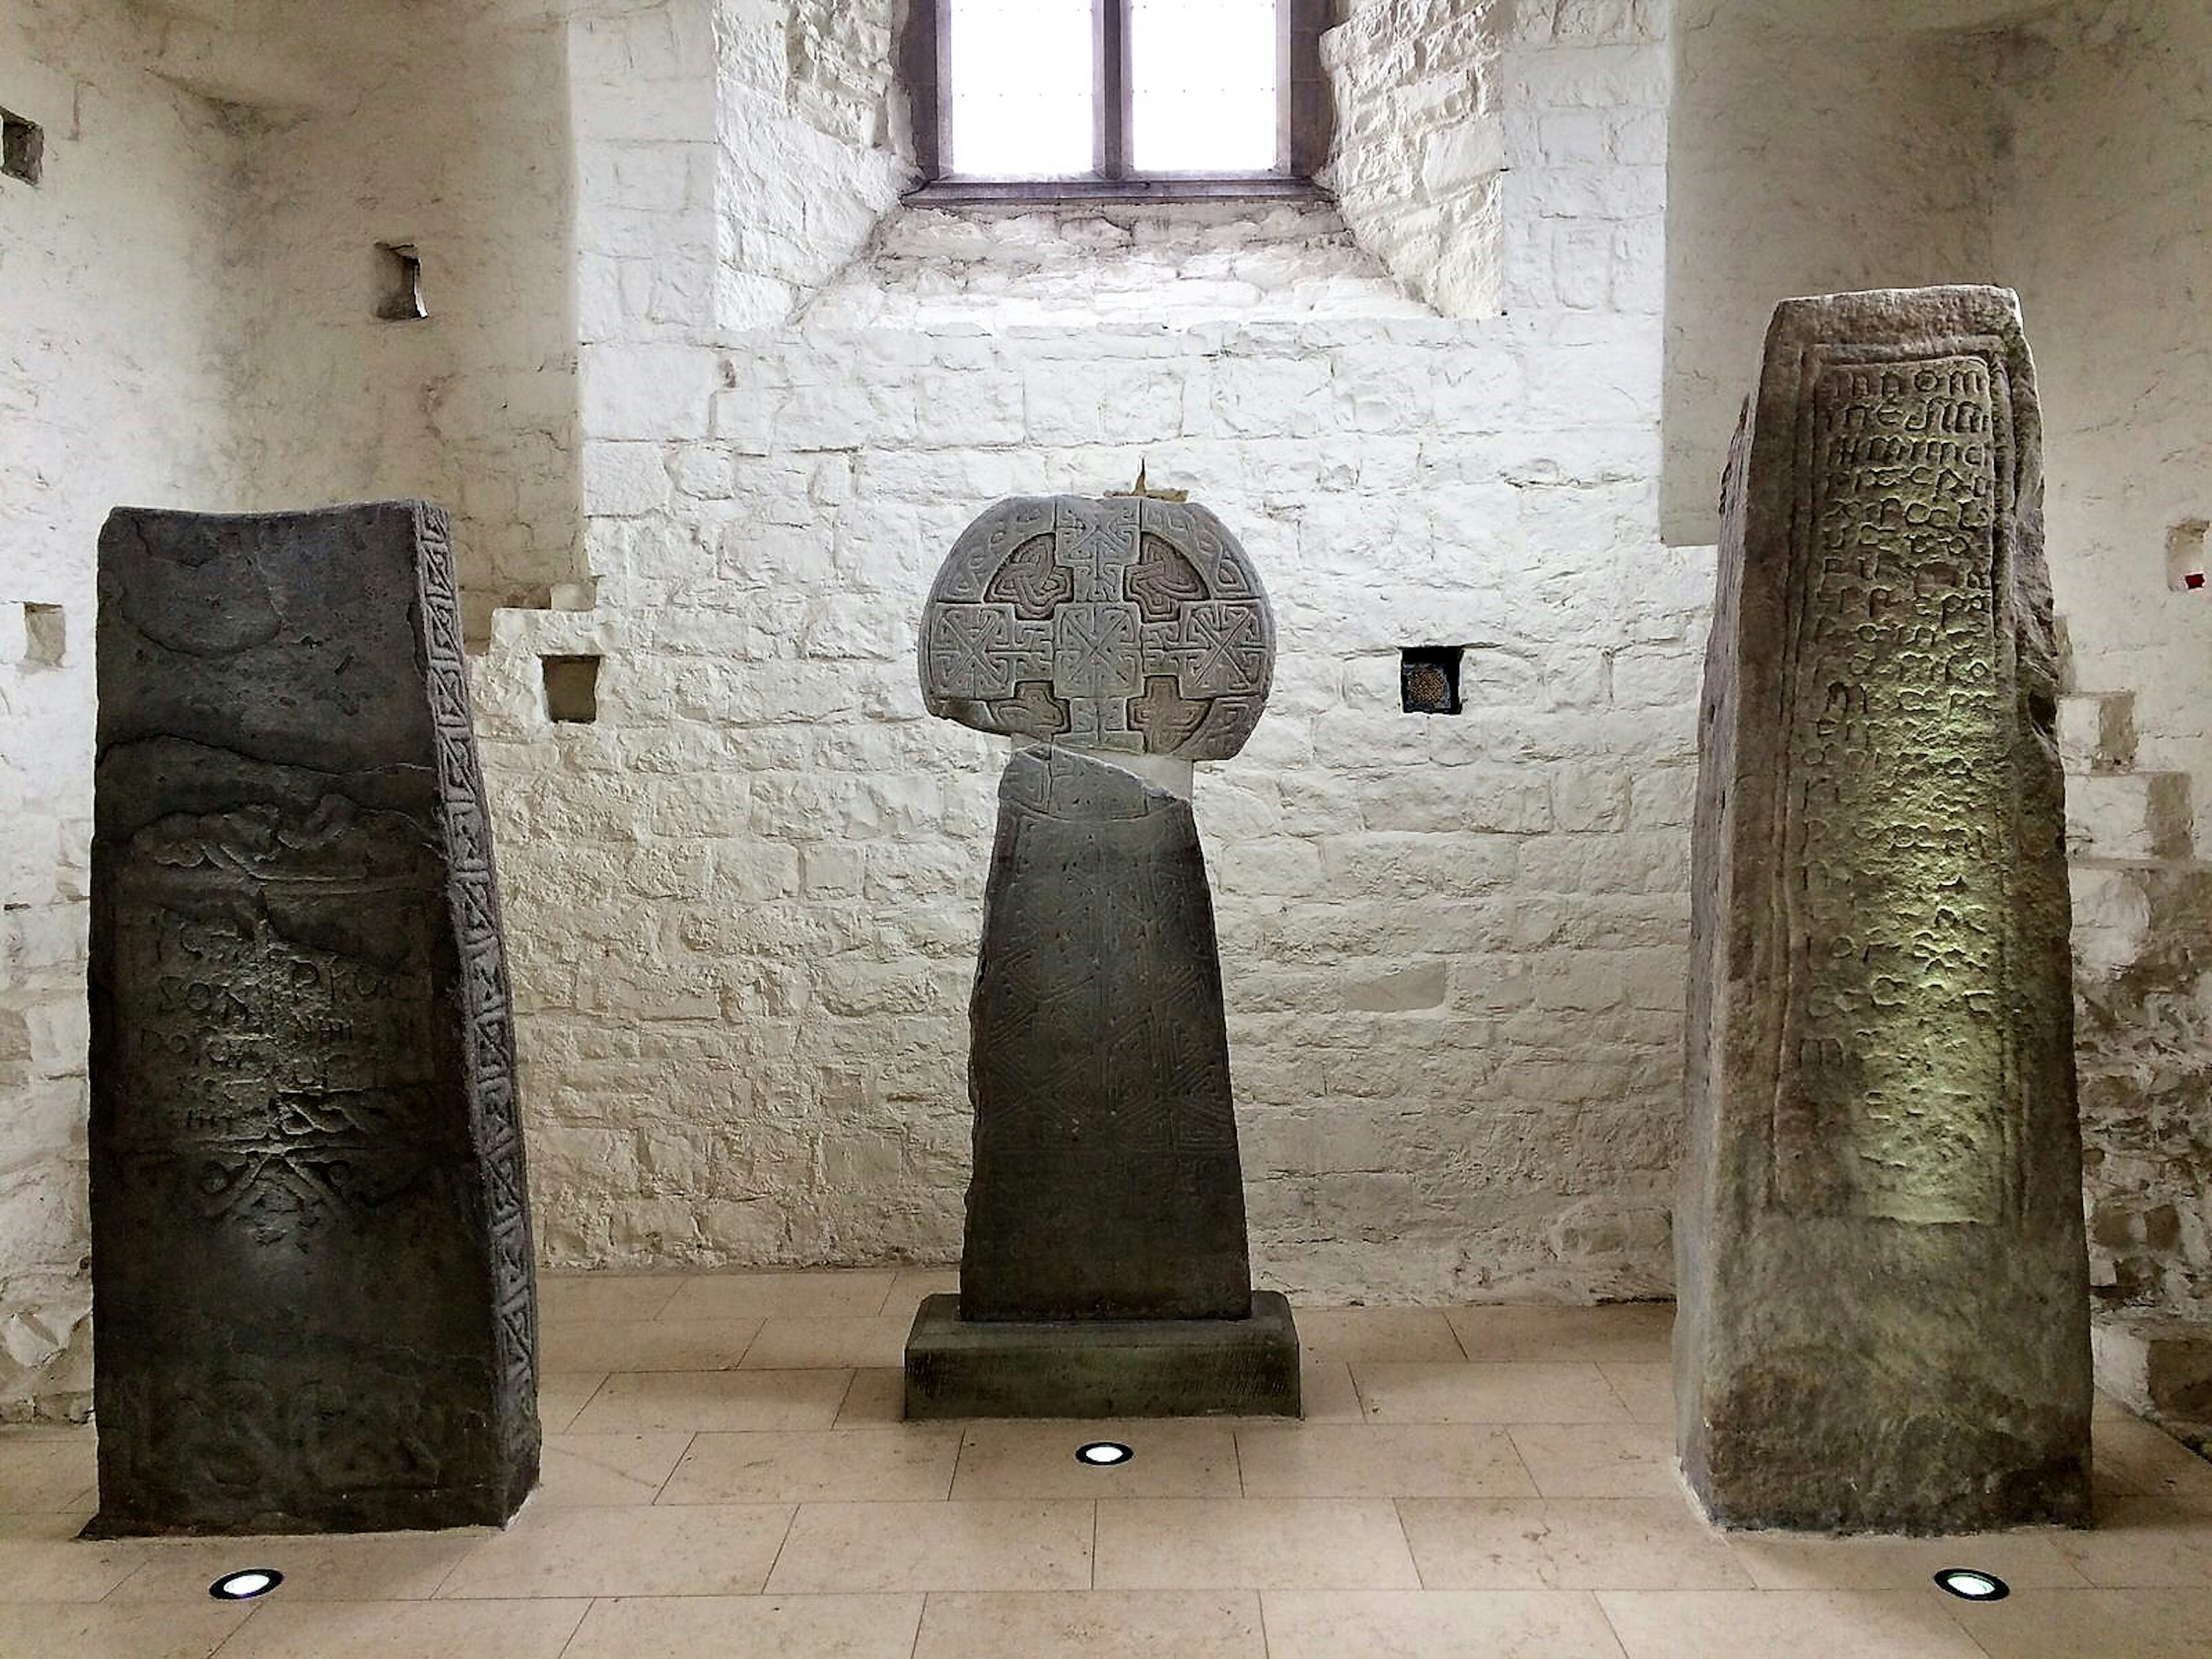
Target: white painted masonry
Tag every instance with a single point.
(117, 383)
(744, 904)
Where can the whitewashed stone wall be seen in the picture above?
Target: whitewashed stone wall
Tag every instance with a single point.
(118, 383)
(2098, 222)
(744, 904)
(1813, 151)
(1436, 99)
(444, 129)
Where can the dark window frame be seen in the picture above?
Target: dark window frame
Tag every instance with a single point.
(1305, 118)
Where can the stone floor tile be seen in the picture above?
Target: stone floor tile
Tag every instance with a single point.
(42, 1558)
(932, 1547)
(627, 1550)
(1371, 1335)
(370, 1566)
(2142, 1542)
(1484, 1393)
(47, 1472)
(1783, 1561)
(1633, 1331)
(895, 1464)
(653, 1402)
(1599, 1460)
(828, 1294)
(1566, 1543)
(1374, 1460)
(1005, 1459)
(646, 1345)
(591, 1297)
(1645, 1386)
(1782, 1623)
(406, 1630)
(876, 1396)
(1330, 1395)
(2095, 1624)
(562, 1395)
(2141, 1457)
(1436, 1625)
(607, 1468)
(1093, 1625)
(749, 1627)
(875, 1340)
(1252, 1543)
(913, 1283)
(104, 1631)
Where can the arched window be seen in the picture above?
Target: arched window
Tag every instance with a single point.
(1144, 99)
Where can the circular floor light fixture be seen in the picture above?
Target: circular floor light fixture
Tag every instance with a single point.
(1102, 1454)
(1968, 1585)
(245, 1586)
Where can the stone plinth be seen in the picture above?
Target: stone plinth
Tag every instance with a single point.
(311, 1247)
(1883, 1288)
(1101, 1368)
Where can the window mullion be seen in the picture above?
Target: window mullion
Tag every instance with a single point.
(1113, 83)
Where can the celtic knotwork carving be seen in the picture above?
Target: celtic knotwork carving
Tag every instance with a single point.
(1130, 624)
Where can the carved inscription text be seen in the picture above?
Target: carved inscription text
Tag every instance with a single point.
(1894, 1097)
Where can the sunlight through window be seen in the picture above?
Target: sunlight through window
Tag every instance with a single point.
(1021, 87)
(1204, 78)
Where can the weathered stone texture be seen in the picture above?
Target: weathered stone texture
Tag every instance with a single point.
(1126, 625)
(1882, 1281)
(1106, 1183)
(311, 1256)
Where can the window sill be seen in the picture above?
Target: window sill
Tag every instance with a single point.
(958, 192)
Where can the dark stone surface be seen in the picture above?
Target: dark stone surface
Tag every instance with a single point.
(1129, 625)
(1102, 1368)
(311, 1246)
(1106, 1183)
(1883, 1290)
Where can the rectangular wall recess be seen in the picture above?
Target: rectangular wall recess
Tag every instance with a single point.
(399, 283)
(45, 639)
(2184, 556)
(571, 690)
(1428, 678)
(22, 148)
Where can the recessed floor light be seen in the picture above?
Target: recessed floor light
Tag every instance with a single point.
(245, 1586)
(1104, 1454)
(1970, 1586)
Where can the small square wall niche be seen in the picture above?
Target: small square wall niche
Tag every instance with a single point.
(1428, 678)
(44, 636)
(2184, 556)
(571, 690)
(22, 148)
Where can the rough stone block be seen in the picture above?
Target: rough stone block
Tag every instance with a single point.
(311, 1242)
(1107, 1184)
(1883, 1277)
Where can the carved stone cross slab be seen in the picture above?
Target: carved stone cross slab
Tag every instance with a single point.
(1883, 1293)
(311, 1239)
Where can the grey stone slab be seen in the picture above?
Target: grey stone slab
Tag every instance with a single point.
(1107, 1183)
(1131, 624)
(312, 1265)
(1121, 1368)
(1883, 1290)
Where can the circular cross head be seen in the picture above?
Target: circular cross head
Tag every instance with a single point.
(1130, 625)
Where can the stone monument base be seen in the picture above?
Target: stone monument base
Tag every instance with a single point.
(1102, 1367)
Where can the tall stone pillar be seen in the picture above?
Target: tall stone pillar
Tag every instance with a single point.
(1883, 1293)
(311, 1242)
